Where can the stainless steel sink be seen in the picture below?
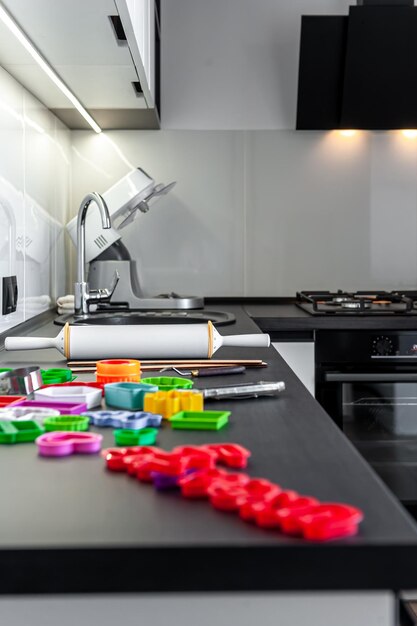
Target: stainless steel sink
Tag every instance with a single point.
(220, 318)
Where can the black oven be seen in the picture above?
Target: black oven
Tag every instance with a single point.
(367, 382)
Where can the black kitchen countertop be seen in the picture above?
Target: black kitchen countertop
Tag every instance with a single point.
(283, 315)
(68, 525)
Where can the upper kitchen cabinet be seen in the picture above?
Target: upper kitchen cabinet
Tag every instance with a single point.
(105, 51)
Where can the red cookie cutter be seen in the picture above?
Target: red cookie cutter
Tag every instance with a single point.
(118, 459)
(258, 491)
(264, 513)
(230, 454)
(229, 495)
(193, 469)
(226, 492)
(287, 517)
(195, 485)
(176, 463)
(330, 521)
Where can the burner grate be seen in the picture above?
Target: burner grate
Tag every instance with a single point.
(357, 302)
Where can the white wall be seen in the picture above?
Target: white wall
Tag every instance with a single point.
(34, 199)
(264, 212)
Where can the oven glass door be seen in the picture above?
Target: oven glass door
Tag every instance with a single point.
(378, 413)
(374, 411)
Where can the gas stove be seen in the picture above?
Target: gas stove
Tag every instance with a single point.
(358, 302)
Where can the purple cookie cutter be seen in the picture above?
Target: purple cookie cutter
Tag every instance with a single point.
(163, 481)
(66, 408)
(124, 419)
(65, 443)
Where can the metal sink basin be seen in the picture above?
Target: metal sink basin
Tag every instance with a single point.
(220, 318)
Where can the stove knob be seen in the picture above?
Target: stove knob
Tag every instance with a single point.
(382, 346)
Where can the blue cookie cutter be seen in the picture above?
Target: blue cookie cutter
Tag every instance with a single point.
(127, 395)
(124, 419)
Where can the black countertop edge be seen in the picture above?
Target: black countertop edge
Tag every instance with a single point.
(55, 571)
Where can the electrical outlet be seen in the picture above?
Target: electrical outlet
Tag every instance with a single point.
(9, 295)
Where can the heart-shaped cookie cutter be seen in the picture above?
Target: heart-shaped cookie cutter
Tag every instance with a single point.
(66, 443)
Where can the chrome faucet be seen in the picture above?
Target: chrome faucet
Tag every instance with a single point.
(82, 294)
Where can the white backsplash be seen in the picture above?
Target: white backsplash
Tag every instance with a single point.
(34, 199)
(254, 213)
(264, 213)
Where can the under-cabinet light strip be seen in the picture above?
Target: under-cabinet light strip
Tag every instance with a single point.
(28, 45)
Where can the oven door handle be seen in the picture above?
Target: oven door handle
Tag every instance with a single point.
(369, 377)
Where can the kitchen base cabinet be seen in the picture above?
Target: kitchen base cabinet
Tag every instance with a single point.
(300, 357)
(205, 609)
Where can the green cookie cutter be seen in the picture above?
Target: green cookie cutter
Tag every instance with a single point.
(200, 420)
(57, 375)
(166, 383)
(129, 437)
(19, 431)
(66, 422)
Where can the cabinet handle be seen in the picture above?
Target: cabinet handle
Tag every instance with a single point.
(375, 377)
(119, 31)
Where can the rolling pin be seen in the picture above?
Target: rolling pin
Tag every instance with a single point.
(141, 342)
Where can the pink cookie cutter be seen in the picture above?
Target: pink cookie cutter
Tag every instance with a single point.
(66, 408)
(65, 443)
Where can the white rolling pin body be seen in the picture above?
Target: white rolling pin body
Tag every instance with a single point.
(143, 342)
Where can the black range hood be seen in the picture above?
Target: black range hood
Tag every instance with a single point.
(359, 71)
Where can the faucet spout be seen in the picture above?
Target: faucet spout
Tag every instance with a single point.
(82, 295)
(82, 214)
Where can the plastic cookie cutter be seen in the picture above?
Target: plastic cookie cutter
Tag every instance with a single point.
(56, 375)
(229, 497)
(19, 431)
(162, 482)
(166, 472)
(66, 422)
(200, 420)
(10, 400)
(264, 514)
(21, 413)
(124, 419)
(230, 454)
(168, 403)
(66, 443)
(24, 380)
(259, 493)
(77, 384)
(224, 492)
(167, 383)
(127, 395)
(77, 394)
(330, 521)
(66, 408)
(196, 484)
(118, 370)
(287, 518)
(166, 463)
(130, 437)
(138, 465)
(118, 459)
